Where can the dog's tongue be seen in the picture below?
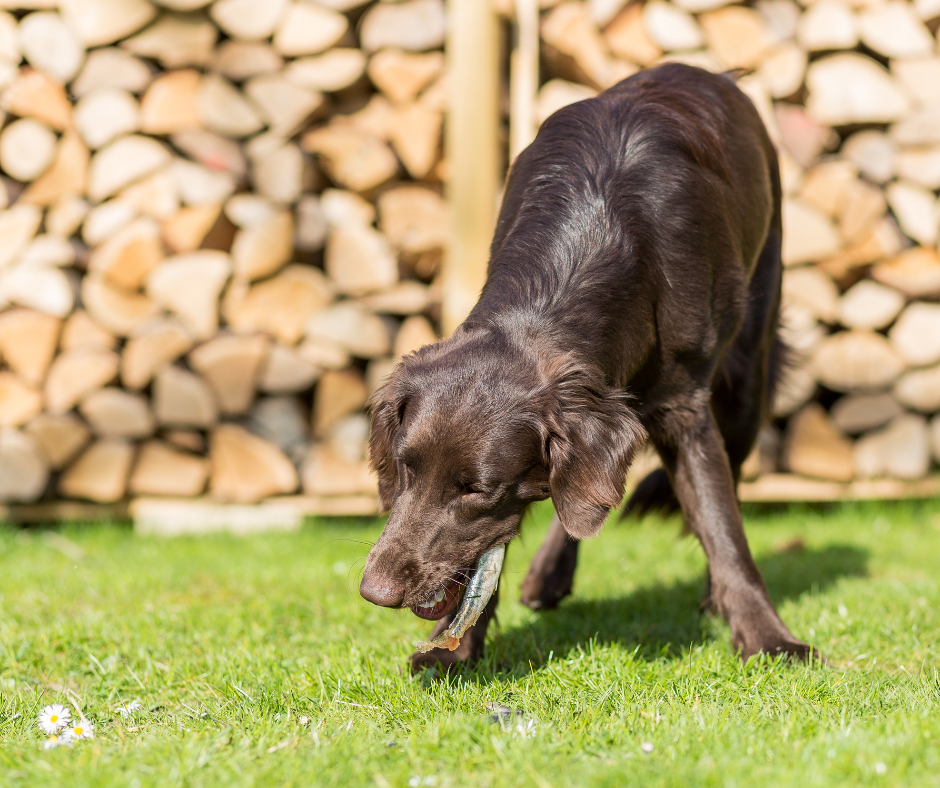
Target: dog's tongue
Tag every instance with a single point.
(479, 591)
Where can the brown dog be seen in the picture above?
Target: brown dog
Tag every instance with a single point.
(633, 290)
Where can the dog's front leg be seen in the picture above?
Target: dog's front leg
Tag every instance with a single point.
(471, 644)
(704, 485)
(552, 570)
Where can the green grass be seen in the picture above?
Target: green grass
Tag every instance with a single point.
(229, 643)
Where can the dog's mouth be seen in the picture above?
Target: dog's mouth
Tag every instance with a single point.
(438, 606)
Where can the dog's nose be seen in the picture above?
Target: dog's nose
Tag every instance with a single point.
(381, 591)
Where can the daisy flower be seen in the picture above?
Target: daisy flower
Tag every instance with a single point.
(63, 739)
(82, 729)
(129, 709)
(53, 718)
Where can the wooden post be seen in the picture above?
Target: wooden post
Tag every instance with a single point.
(472, 150)
(524, 77)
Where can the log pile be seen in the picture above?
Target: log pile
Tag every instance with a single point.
(850, 91)
(221, 222)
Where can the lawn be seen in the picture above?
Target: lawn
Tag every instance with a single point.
(256, 663)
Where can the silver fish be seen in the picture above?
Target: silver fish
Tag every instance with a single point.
(475, 598)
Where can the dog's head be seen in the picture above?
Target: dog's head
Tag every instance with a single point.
(465, 435)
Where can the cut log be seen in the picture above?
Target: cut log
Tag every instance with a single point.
(920, 166)
(104, 220)
(240, 60)
(23, 471)
(279, 175)
(415, 332)
(557, 93)
(352, 158)
(571, 33)
(861, 206)
(916, 210)
(60, 438)
(901, 450)
(416, 138)
(99, 22)
(851, 88)
(281, 305)
(627, 38)
(308, 29)
(284, 105)
(182, 399)
(187, 228)
(921, 76)
(231, 364)
(170, 105)
(262, 249)
(870, 305)
(18, 402)
(111, 68)
(66, 177)
(406, 298)
(892, 29)
(343, 208)
(156, 344)
(248, 20)
(808, 235)
(176, 40)
(378, 372)
(48, 250)
(65, 217)
(919, 389)
(18, 226)
(856, 361)
(198, 185)
(737, 36)
(104, 115)
(123, 162)
(27, 148)
(323, 353)
(825, 185)
(935, 437)
(189, 285)
(49, 45)
(859, 413)
(413, 25)
(28, 342)
(325, 472)
(884, 241)
(801, 136)
(100, 473)
(401, 76)
(873, 152)
(164, 470)
(44, 289)
(361, 333)
(813, 289)
(248, 209)
(826, 25)
(223, 110)
(339, 393)
(75, 374)
(127, 258)
(282, 421)
(34, 95)
(916, 273)
(310, 225)
(117, 310)
(80, 331)
(188, 440)
(359, 261)
(782, 71)
(916, 334)
(670, 27)
(246, 468)
(814, 447)
(334, 70)
(113, 413)
(920, 127)
(212, 151)
(285, 371)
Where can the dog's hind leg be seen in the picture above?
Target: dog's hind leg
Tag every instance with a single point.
(552, 571)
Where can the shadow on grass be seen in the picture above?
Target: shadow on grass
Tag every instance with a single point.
(657, 620)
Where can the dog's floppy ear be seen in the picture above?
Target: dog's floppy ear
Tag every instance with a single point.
(593, 437)
(386, 408)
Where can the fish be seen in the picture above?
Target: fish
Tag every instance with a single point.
(479, 591)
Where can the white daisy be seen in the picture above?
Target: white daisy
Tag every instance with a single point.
(82, 729)
(63, 739)
(129, 709)
(53, 718)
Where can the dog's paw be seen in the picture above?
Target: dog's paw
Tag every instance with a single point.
(540, 593)
(792, 649)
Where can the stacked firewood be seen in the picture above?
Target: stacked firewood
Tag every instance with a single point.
(850, 91)
(222, 224)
